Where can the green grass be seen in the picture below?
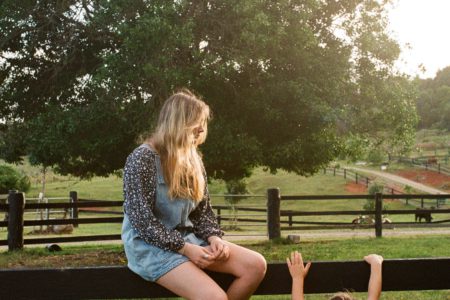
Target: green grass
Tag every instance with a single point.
(111, 187)
(328, 249)
(293, 184)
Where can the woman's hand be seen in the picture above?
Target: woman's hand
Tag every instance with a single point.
(200, 256)
(219, 248)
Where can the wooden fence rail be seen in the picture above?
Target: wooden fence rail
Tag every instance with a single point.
(359, 179)
(112, 282)
(274, 212)
(273, 216)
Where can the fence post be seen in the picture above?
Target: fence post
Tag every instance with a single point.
(273, 213)
(421, 203)
(439, 168)
(15, 220)
(219, 218)
(367, 181)
(73, 196)
(378, 219)
(356, 178)
(334, 171)
(345, 173)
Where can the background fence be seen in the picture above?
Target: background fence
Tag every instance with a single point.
(359, 179)
(434, 163)
(271, 217)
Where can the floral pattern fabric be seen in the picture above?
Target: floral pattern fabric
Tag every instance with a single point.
(139, 187)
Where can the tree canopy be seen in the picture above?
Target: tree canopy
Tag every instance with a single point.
(433, 103)
(290, 83)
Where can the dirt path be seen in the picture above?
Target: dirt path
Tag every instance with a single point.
(401, 180)
(333, 234)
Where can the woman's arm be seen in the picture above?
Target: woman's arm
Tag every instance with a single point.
(204, 219)
(139, 185)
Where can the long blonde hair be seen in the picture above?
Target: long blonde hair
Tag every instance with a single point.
(174, 140)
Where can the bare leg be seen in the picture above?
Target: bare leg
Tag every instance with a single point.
(190, 282)
(249, 268)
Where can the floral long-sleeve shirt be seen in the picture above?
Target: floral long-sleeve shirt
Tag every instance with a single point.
(139, 186)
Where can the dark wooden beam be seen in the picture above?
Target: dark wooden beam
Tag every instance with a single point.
(119, 282)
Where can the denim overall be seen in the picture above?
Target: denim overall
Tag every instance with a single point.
(146, 260)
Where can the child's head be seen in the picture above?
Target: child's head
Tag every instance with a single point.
(342, 296)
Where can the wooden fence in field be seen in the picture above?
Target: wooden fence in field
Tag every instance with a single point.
(271, 217)
(427, 162)
(274, 212)
(359, 179)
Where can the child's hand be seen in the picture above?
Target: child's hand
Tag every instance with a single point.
(373, 259)
(295, 265)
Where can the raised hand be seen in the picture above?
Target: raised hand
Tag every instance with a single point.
(296, 267)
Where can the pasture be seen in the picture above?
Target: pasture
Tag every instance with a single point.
(110, 188)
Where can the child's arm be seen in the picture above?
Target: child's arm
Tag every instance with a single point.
(375, 261)
(298, 273)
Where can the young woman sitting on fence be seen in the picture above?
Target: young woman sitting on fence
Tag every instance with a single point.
(170, 232)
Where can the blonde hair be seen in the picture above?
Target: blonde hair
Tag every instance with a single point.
(174, 140)
(342, 296)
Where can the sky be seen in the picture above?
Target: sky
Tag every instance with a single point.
(424, 25)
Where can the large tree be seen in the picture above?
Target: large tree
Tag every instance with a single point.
(288, 81)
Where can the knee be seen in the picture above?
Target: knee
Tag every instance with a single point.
(257, 266)
(261, 265)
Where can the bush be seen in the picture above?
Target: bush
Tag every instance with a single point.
(236, 187)
(375, 156)
(10, 179)
(375, 188)
(370, 203)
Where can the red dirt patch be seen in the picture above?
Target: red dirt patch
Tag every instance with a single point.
(431, 178)
(355, 188)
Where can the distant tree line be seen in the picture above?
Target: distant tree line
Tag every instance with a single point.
(433, 102)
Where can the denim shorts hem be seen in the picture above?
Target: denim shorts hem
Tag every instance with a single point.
(169, 268)
(154, 276)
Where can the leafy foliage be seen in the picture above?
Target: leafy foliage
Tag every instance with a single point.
(370, 203)
(433, 103)
(288, 81)
(10, 179)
